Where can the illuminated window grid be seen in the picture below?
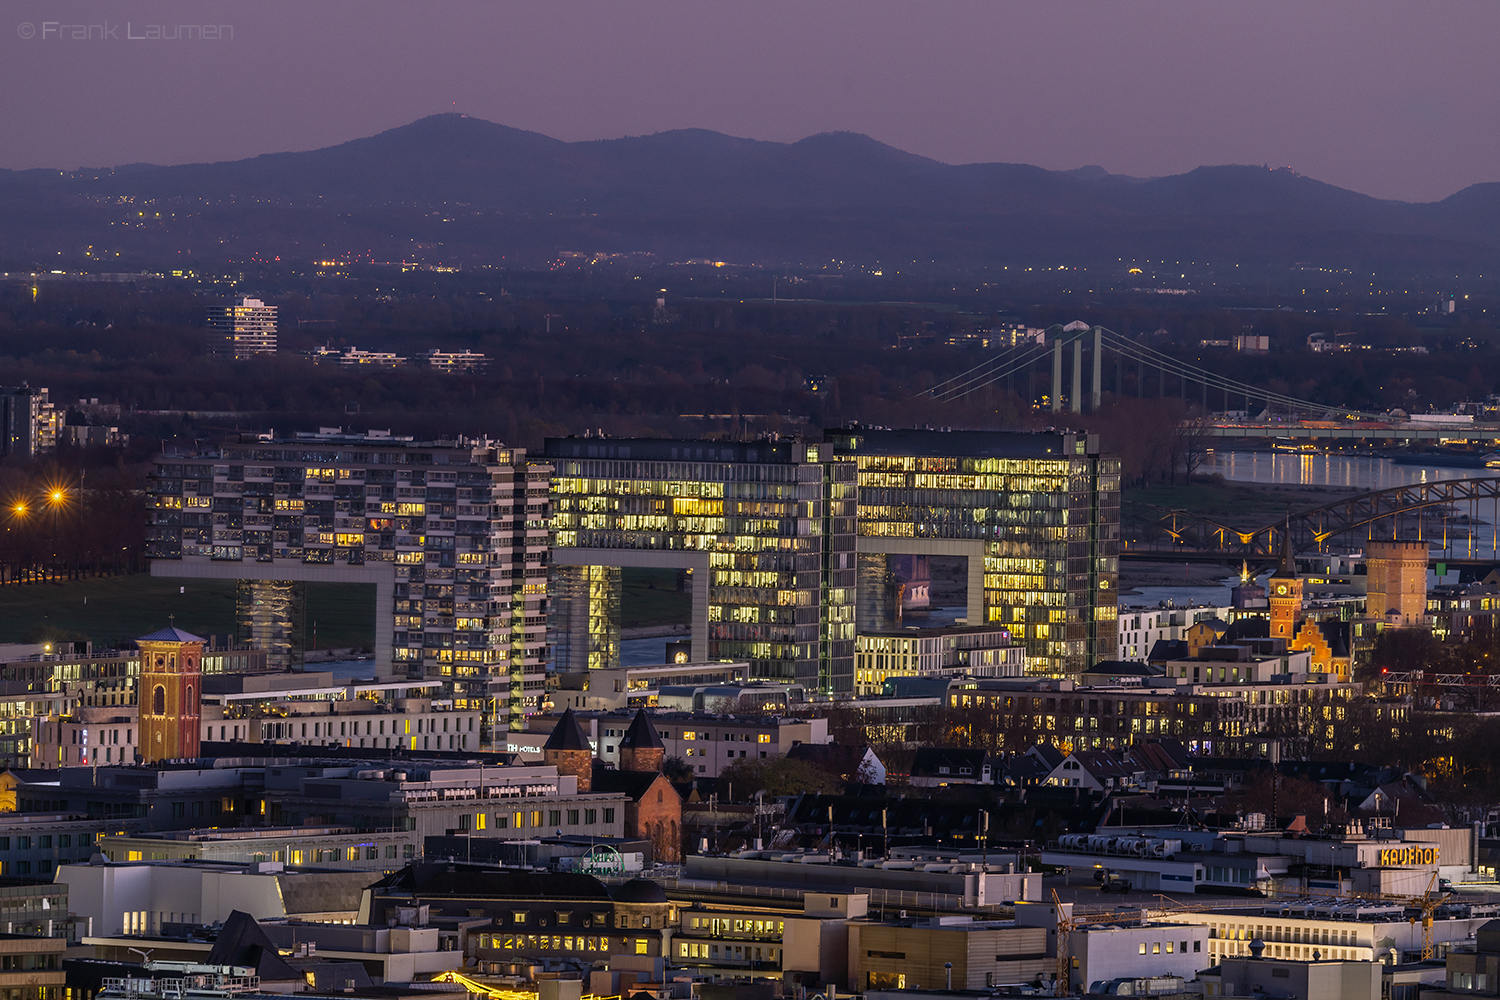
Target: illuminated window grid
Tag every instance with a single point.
(1027, 512)
(766, 585)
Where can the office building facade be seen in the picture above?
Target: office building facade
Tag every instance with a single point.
(452, 534)
(1036, 516)
(766, 530)
(241, 330)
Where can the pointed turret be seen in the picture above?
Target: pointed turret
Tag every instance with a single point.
(641, 748)
(1284, 591)
(568, 750)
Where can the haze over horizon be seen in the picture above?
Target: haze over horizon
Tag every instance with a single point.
(1384, 98)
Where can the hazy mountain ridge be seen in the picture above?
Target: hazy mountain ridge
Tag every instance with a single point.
(467, 190)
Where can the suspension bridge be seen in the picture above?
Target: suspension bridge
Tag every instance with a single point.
(1035, 370)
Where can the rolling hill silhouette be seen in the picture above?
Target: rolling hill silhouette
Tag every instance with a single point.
(462, 190)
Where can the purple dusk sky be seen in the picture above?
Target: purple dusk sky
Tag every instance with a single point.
(1394, 98)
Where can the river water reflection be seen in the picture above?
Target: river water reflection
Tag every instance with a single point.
(1363, 472)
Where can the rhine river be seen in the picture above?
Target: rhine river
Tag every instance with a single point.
(1281, 468)
(1363, 472)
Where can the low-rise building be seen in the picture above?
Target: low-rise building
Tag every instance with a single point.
(139, 897)
(974, 650)
(733, 939)
(1099, 952)
(31, 968)
(968, 953)
(965, 881)
(516, 919)
(449, 362)
(708, 743)
(609, 689)
(1309, 979)
(330, 847)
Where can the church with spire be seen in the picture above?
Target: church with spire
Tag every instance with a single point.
(1327, 642)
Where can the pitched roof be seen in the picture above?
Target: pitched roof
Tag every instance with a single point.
(1336, 634)
(1248, 628)
(242, 942)
(927, 760)
(1126, 668)
(1288, 568)
(633, 784)
(843, 759)
(567, 734)
(1169, 649)
(1102, 763)
(171, 634)
(1049, 754)
(641, 735)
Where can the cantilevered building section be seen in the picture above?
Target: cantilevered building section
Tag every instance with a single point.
(1037, 516)
(241, 330)
(452, 535)
(766, 529)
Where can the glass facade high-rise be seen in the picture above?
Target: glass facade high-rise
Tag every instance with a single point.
(1036, 516)
(765, 528)
(452, 534)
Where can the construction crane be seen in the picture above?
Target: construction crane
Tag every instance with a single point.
(1428, 903)
(1065, 924)
(494, 993)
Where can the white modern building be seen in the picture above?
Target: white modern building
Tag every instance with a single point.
(241, 330)
(138, 897)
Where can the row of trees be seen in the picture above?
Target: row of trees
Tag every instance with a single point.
(60, 521)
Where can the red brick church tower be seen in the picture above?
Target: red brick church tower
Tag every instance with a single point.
(170, 693)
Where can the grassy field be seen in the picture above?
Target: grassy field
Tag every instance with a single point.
(111, 609)
(1248, 504)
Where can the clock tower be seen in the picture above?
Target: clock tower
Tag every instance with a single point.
(1284, 592)
(170, 692)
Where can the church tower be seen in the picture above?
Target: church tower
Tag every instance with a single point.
(1284, 592)
(170, 692)
(641, 748)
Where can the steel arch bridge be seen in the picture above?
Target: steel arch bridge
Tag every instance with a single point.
(1407, 509)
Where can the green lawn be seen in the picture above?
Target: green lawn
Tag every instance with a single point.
(113, 609)
(1241, 504)
(651, 597)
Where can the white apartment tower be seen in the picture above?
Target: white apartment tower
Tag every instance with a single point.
(241, 330)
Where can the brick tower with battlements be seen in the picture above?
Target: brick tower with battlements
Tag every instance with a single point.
(170, 692)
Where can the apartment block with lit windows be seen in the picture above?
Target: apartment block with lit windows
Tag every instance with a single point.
(452, 534)
(241, 330)
(765, 529)
(1035, 516)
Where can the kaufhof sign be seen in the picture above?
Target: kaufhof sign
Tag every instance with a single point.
(1399, 857)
